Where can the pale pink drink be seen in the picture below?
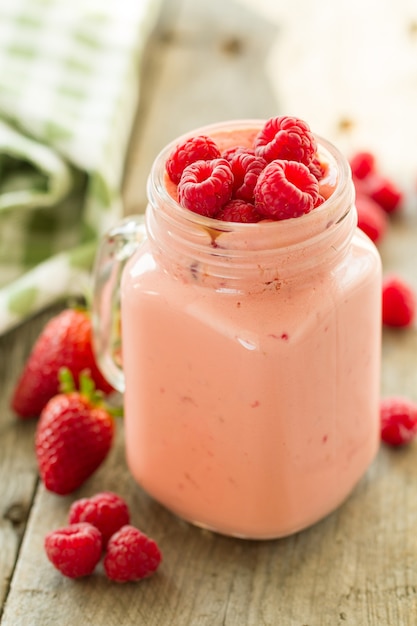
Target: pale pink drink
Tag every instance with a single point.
(251, 356)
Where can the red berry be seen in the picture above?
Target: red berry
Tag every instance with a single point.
(362, 164)
(398, 302)
(317, 168)
(106, 511)
(74, 550)
(131, 555)
(66, 341)
(371, 218)
(384, 192)
(370, 182)
(285, 189)
(319, 201)
(286, 138)
(200, 148)
(72, 439)
(246, 168)
(205, 186)
(398, 420)
(238, 211)
(229, 153)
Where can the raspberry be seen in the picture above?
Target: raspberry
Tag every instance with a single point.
(193, 149)
(362, 164)
(106, 511)
(74, 550)
(398, 420)
(238, 211)
(131, 555)
(319, 201)
(371, 218)
(287, 138)
(229, 153)
(384, 192)
(285, 189)
(205, 186)
(246, 168)
(398, 302)
(317, 168)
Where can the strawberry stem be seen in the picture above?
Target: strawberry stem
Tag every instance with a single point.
(87, 388)
(66, 380)
(86, 384)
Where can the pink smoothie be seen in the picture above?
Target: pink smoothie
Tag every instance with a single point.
(251, 405)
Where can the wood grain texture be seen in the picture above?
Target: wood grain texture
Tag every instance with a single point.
(18, 472)
(358, 566)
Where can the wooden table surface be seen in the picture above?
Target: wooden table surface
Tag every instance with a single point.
(206, 62)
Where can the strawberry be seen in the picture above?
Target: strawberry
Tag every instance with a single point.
(66, 341)
(73, 436)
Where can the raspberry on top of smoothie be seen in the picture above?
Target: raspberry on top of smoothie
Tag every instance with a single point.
(272, 173)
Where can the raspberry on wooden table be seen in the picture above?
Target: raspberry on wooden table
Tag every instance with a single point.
(398, 420)
(398, 302)
(370, 182)
(193, 149)
(74, 550)
(107, 511)
(287, 138)
(205, 186)
(372, 220)
(285, 189)
(385, 192)
(131, 555)
(362, 164)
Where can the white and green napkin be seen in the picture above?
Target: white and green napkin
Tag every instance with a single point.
(69, 86)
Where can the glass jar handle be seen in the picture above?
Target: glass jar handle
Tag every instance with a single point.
(116, 247)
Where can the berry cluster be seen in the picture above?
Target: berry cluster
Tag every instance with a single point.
(276, 178)
(73, 437)
(97, 524)
(377, 197)
(76, 428)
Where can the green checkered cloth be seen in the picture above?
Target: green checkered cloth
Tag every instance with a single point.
(69, 74)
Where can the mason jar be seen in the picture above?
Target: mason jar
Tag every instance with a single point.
(250, 354)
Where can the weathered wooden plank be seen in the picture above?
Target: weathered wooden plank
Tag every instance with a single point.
(355, 566)
(18, 472)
